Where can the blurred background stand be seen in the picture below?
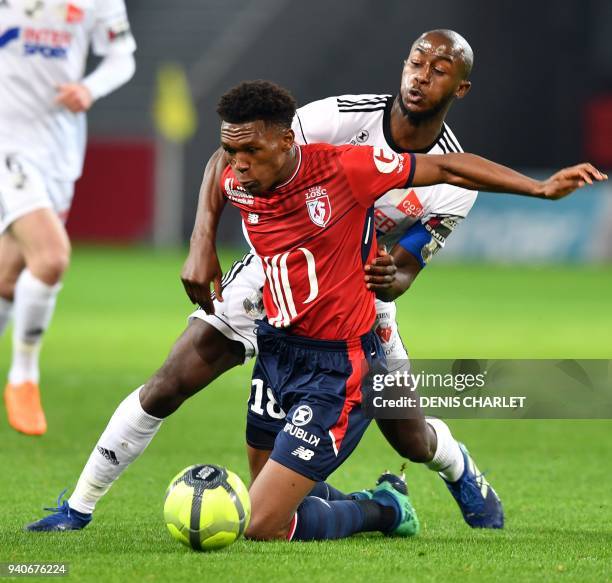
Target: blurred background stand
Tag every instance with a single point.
(541, 99)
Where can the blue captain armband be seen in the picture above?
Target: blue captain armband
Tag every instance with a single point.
(415, 240)
(425, 240)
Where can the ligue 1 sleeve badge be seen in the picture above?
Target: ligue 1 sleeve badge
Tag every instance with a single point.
(319, 206)
(386, 161)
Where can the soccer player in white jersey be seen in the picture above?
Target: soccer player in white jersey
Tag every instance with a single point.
(43, 99)
(435, 74)
(413, 224)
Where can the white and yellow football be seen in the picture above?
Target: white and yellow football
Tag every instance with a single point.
(207, 507)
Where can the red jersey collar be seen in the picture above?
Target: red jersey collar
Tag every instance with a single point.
(297, 168)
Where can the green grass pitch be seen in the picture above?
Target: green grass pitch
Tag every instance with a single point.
(117, 317)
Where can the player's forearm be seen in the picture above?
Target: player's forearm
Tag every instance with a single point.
(112, 72)
(476, 173)
(400, 285)
(391, 274)
(210, 204)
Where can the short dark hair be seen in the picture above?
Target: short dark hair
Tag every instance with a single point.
(257, 100)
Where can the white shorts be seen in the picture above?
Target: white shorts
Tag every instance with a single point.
(243, 304)
(23, 189)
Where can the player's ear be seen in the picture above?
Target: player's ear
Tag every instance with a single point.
(463, 89)
(288, 139)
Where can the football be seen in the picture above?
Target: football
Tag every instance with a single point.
(206, 507)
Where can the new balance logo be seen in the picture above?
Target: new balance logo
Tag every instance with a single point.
(303, 453)
(109, 454)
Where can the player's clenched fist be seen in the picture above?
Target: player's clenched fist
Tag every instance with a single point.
(380, 274)
(74, 96)
(569, 179)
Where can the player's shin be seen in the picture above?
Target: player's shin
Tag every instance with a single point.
(317, 519)
(448, 459)
(126, 436)
(34, 305)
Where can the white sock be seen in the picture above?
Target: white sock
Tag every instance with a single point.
(6, 309)
(126, 436)
(34, 304)
(448, 459)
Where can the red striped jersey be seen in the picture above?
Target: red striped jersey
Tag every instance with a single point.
(314, 234)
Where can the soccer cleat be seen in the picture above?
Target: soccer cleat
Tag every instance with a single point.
(63, 518)
(398, 482)
(391, 490)
(479, 503)
(25, 413)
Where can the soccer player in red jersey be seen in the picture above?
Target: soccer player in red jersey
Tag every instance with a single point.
(308, 214)
(314, 240)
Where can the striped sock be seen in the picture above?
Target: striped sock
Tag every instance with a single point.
(317, 519)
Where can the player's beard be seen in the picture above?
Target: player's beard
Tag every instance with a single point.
(418, 117)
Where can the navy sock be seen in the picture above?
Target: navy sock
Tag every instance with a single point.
(321, 520)
(327, 492)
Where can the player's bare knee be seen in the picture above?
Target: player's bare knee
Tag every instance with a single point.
(162, 387)
(165, 391)
(262, 529)
(50, 266)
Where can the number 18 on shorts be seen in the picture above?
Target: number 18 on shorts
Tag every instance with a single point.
(306, 395)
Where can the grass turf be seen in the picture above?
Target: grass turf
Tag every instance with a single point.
(117, 317)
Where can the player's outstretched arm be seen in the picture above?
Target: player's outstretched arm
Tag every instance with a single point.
(202, 266)
(476, 173)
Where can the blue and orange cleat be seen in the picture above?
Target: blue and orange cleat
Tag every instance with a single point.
(479, 503)
(63, 518)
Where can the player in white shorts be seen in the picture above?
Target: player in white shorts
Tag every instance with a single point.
(43, 100)
(414, 224)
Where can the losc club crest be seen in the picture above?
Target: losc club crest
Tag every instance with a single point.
(384, 333)
(319, 206)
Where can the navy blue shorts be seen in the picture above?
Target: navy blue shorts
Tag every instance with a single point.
(306, 395)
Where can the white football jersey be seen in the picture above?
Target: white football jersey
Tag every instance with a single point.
(44, 43)
(420, 218)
